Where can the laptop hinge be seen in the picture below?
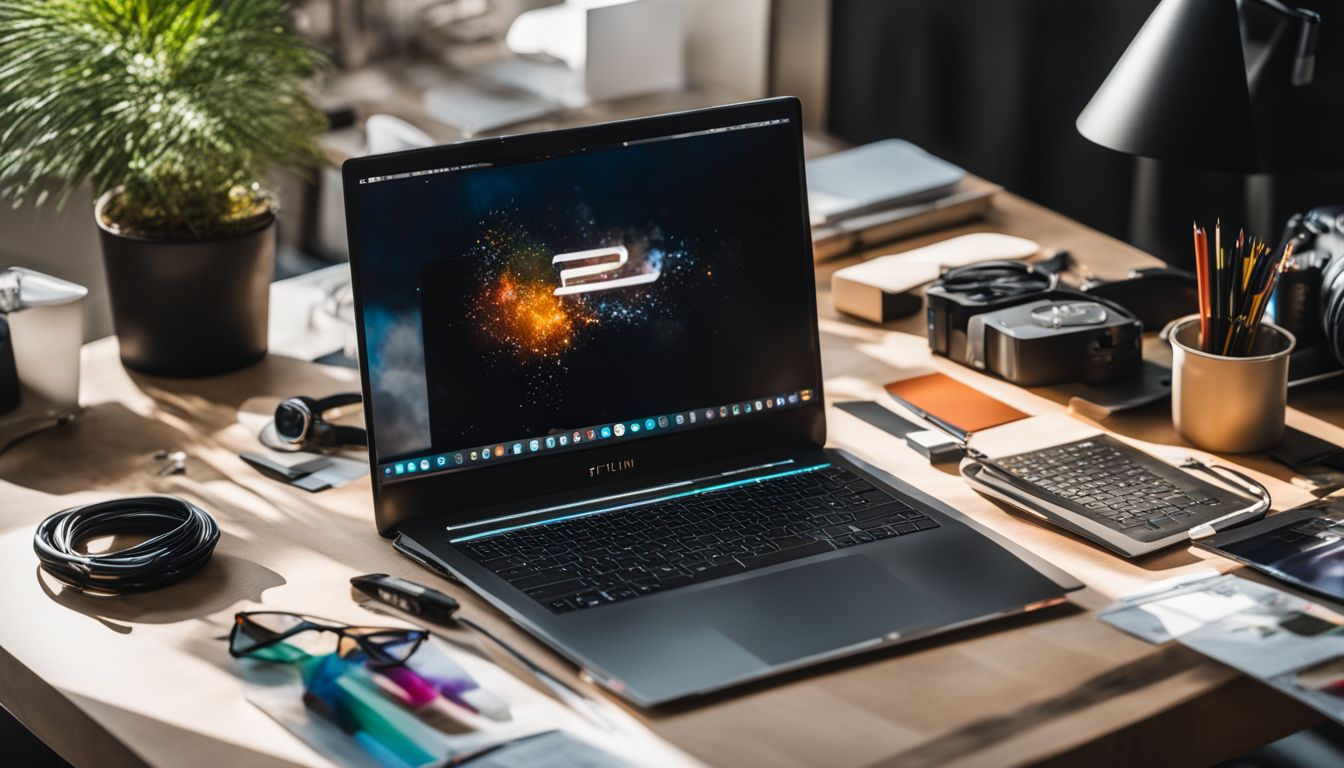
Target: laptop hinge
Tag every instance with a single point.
(637, 497)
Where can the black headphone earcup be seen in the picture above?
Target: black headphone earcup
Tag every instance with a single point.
(990, 281)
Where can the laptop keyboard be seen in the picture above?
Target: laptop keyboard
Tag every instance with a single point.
(1118, 486)
(607, 557)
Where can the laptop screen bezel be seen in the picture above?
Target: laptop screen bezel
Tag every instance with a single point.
(486, 491)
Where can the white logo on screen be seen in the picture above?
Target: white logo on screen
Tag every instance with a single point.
(594, 269)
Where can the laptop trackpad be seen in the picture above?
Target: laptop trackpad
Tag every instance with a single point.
(816, 608)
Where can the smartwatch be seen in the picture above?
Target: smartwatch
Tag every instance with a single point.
(299, 423)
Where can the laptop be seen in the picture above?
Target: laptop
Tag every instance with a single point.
(593, 388)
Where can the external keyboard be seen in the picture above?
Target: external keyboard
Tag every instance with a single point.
(1118, 486)
(606, 557)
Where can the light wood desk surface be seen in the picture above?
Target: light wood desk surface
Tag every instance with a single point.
(143, 679)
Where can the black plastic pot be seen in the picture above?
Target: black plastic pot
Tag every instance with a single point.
(189, 308)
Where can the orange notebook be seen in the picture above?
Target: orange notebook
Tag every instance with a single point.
(956, 407)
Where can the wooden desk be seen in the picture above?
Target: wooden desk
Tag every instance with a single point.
(144, 679)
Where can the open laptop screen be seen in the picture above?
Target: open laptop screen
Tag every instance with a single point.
(530, 305)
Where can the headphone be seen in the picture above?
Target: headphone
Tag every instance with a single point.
(299, 422)
(991, 281)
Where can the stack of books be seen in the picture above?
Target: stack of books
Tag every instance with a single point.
(884, 191)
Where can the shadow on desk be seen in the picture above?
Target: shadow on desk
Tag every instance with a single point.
(1323, 400)
(108, 447)
(213, 401)
(224, 581)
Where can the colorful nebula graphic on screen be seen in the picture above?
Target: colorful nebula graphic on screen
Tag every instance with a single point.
(525, 310)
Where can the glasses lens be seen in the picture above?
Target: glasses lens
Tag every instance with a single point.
(385, 646)
(257, 634)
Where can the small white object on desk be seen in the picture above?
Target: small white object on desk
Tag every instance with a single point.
(879, 289)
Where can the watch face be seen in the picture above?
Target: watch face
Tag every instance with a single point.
(291, 421)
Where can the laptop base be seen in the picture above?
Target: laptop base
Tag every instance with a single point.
(707, 637)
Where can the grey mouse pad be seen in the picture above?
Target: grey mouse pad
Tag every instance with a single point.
(818, 608)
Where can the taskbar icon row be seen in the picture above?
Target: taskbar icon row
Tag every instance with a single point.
(613, 431)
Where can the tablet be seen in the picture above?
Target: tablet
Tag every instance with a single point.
(1303, 546)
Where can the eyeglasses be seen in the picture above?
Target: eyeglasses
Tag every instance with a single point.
(280, 636)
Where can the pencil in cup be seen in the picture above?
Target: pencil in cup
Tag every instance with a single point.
(1234, 288)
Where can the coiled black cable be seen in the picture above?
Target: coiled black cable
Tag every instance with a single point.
(182, 536)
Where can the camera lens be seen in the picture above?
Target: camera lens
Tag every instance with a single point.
(1068, 314)
(289, 421)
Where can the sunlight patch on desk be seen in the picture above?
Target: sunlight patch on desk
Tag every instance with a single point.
(853, 388)
(849, 330)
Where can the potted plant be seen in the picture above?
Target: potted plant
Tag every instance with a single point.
(174, 111)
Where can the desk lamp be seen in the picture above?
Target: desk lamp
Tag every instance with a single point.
(1193, 90)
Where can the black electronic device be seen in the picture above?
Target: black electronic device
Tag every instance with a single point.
(1055, 341)
(1155, 295)
(597, 401)
(1116, 495)
(1309, 301)
(418, 600)
(299, 422)
(962, 293)
(976, 316)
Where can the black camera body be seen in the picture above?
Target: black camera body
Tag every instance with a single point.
(1309, 301)
(1013, 320)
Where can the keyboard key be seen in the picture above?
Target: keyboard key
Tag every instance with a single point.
(558, 589)
(726, 568)
(881, 510)
(788, 542)
(545, 577)
(592, 599)
(868, 525)
(678, 579)
(516, 571)
(785, 555)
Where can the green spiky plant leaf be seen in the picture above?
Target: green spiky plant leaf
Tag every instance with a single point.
(184, 105)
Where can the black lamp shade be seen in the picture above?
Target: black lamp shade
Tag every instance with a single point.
(1179, 93)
